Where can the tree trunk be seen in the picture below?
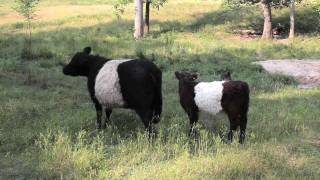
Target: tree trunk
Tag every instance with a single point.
(29, 41)
(138, 22)
(292, 14)
(147, 17)
(267, 26)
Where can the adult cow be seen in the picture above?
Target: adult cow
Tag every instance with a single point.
(120, 83)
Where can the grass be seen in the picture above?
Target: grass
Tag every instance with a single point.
(47, 119)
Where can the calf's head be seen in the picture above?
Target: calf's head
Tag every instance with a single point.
(186, 76)
(79, 64)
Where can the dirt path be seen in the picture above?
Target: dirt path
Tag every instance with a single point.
(306, 72)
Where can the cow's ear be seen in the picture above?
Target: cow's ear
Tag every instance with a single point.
(177, 75)
(87, 50)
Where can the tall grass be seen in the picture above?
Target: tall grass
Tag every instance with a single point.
(47, 119)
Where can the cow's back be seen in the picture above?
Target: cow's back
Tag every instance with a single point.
(139, 80)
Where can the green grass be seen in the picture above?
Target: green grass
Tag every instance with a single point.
(47, 119)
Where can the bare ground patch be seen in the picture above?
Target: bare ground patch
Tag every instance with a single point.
(306, 72)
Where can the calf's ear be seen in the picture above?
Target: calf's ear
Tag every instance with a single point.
(87, 50)
(228, 76)
(177, 74)
(195, 76)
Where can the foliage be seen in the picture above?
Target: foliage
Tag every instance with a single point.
(26, 8)
(158, 3)
(273, 3)
(238, 3)
(317, 8)
(120, 5)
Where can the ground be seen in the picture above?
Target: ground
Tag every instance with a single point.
(306, 72)
(47, 120)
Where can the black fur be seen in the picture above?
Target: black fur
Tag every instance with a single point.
(234, 102)
(186, 91)
(140, 82)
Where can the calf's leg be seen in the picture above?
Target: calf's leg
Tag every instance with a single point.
(233, 126)
(193, 117)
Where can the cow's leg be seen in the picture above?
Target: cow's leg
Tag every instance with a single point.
(243, 125)
(107, 121)
(193, 117)
(146, 117)
(99, 113)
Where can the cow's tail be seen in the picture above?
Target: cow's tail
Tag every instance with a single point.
(157, 99)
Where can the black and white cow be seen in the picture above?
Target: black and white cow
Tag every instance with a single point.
(121, 83)
(231, 97)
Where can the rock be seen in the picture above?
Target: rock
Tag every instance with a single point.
(306, 72)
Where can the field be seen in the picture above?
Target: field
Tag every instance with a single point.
(47, 120)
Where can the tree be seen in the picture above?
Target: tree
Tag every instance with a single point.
(27, 8)
(119, 9)
(147, 16)
(156, 4)
(267, 25)
(138, 21)
(266, 6)
(292, 15)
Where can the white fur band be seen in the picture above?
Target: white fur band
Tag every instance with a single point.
(107, 87)
(208, 96)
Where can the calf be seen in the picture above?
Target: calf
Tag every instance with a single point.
(125, 83)
(229, 96)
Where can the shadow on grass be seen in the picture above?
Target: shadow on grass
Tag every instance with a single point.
(107, 33)
(114, 39)
(307, 20)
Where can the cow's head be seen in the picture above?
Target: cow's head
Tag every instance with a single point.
(79, 63)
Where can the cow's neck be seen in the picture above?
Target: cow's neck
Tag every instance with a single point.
(93, 65)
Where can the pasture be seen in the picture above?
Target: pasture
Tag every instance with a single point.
(47, 120)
